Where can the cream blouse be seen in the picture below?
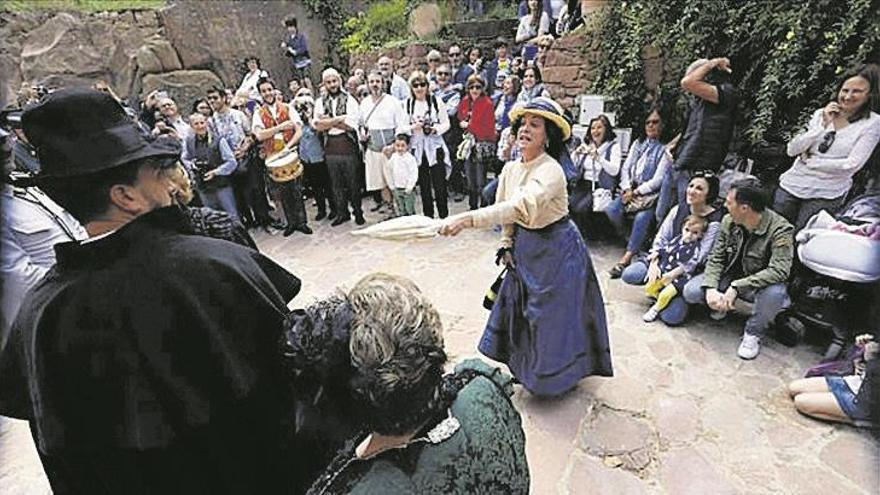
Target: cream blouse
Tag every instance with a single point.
(532, 194)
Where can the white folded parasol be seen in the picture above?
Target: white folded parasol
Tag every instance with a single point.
(402, 228)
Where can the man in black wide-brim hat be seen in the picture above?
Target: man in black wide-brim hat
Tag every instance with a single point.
(145, 359)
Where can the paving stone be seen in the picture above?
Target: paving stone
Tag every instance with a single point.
(855, 456)
(615, 433)
(677, 419)
(547, 463)
(590, 477)
(686, 472)
(736, 422)
(662, 350)
(814, 479)
(625, 392)
(558, 418)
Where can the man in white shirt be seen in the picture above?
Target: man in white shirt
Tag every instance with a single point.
(382, 117)
(337, 115)
(277, 125)
(171, 121)
(399, 87)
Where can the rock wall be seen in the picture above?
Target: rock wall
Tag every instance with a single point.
(185, 45)
(568, 67)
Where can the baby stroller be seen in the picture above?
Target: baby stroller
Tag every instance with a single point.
(840, 263)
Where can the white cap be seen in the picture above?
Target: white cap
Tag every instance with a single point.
(330, 72)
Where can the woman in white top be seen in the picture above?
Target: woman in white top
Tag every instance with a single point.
(428, 120)
(532, 86)
(836, 144)
(531, 26)
(249, 82)
(598, 160)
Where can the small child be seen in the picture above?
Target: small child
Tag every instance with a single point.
(404, 175)
(672, 257)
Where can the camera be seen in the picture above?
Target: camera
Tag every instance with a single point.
(428, 126)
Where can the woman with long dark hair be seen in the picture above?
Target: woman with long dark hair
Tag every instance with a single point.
(548, 320)
(532, 85)
(532, 26)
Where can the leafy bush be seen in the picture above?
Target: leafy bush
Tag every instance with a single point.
(384, 22)
(786, 56)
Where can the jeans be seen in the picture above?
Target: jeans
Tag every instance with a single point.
(222, 199)
(432, 185)
(768, 302)
(677, 310)
(798, 211)
(641, 226)
(673, 191)
(489, 192)
(476, 179)
(317, 178)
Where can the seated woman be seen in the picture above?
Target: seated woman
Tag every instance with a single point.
(532, 86)
(371, 362)
(846, 399)
(532, 25)
(838, 141)
(640, 179)
(701, 194)
(598, 162)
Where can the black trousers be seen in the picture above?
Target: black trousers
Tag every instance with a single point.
(254, 191)
(317, 178)
(291, 194)
(345, 184)
(432, 184)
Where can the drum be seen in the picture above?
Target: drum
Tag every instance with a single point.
(284, 166)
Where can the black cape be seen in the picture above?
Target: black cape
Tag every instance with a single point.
(147, 362)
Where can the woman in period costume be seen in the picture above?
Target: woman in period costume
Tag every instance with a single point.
(548, 321)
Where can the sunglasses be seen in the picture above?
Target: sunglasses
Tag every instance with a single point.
(827, 141)
(419, 84)
(456, 54)
(443, 73)
(164, 105)
(475, 86)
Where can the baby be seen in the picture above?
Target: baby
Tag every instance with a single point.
(404, 175)
(672, 256)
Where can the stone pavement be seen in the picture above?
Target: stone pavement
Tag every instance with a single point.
(682, 415)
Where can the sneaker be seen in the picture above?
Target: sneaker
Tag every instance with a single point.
(718, 315)
(651, 314)
(749, 347)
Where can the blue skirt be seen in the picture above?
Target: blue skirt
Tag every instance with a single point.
(548, 322)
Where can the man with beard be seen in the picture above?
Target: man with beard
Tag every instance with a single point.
(250, 188)
(382, 117)
(276, 125)
(398, 88)
(337, 116)
(145, 359)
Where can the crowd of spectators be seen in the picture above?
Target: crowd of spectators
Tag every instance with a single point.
(692, 237)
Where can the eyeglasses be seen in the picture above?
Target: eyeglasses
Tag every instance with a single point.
(419, 84)
(475, 86)
(827, 141)
(454, 54)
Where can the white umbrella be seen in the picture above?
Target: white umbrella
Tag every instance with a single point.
(402, 228)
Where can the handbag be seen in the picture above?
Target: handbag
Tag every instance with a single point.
(492, 293)
(639, 203)
(465, 148)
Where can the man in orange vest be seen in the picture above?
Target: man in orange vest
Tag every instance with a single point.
(276, 124)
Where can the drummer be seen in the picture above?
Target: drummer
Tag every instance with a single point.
(277, 125)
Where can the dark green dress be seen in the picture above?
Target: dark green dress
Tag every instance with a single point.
(484, 454)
